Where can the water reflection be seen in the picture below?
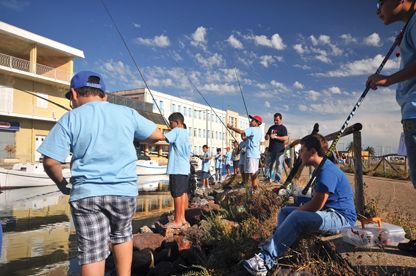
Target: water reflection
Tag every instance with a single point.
(38, 236)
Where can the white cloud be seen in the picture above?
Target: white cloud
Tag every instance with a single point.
(361, 67)
(199, 37)
(209, 62)
(334, 90)
(161, 41)
(278, 86)
(348, 38)
(274, 42)
(321, 40)
(313, 95)
(300, 49)
(220, 88)
(302, 66)
(234, 42)
(266, 60)
(302, 107)
(267, 104)
(373, 40)
(298, 85)
(136, 25)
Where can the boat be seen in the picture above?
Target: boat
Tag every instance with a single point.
(23, 175)
(149, 167)
(152, 183)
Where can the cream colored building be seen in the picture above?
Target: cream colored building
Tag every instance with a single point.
(204, 125)
(30, 63)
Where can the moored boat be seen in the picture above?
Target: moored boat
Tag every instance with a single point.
(149, 167)
(24, 175)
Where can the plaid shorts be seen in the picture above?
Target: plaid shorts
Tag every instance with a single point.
(99, 221)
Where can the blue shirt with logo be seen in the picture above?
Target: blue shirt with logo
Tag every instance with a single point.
(253, 142)
(228, 157)
(100, 136)
(406, 90)
(206, 163)
(341, 198)
(179, 152)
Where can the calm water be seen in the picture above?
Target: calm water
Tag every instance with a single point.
(38, 235)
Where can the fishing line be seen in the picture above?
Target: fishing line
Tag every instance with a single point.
(317, 171)
(241, 91)
(134, 61)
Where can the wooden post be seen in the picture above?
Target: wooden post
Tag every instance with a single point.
(358, 176)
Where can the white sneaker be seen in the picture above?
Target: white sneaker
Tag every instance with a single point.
(255, 265)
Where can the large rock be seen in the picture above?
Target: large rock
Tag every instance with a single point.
(163, 269)
(147, 240)
(143, 260)
(194, 215)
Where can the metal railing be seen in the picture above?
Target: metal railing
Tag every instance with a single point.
(42, 70)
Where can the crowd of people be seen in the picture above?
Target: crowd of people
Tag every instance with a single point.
(104, 190)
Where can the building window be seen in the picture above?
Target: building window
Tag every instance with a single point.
(6, 99)
(200, 133)
(41, 103)
(190, 131)
(173, 108)
(161, 106)
(189, 112)
(195, 132)
(184, 111)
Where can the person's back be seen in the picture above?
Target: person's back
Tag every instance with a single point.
(99, 160)
(341, 197)
(253, 142)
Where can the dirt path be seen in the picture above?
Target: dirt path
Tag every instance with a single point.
(391, 195)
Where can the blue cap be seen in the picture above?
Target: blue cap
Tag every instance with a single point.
(81, 80)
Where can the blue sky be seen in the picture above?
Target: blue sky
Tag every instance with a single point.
(305, 59)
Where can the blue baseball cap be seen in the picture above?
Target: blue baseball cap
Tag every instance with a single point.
(81, 79)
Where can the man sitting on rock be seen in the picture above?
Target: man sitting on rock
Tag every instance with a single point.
(330, 209)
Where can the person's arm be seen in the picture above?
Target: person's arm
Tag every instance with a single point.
(53, 169)
(156, 136)
(316, 203)
(281, 138)
(240, 131)
(406, 73)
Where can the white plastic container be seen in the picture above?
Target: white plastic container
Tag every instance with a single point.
(371, 235)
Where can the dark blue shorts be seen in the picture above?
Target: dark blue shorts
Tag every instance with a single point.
(178, 184)
(205, 175)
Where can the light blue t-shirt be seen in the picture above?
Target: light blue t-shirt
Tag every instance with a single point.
(228, 158)
(179, 152)
(253, 142)
(206, 163)
(406, 90)
(100, 136)
(341, 198)
(218, 161)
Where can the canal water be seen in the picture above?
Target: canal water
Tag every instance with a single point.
(38, 234)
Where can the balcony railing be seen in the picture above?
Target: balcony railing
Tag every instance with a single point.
(42, 70)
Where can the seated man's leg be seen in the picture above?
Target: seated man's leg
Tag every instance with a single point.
(296, 223)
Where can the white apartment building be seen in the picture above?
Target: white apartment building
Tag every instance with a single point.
(205, 125)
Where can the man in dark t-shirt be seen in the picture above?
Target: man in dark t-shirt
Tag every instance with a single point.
(277, 136)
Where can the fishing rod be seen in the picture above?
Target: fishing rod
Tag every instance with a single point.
(317, 171)
(43, 98)
(134, 61)
(241, 91)
(205, 100)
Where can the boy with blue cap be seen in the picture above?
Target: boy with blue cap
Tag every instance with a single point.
(104, 190)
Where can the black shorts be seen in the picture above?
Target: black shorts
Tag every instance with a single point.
(235, 164)
(178, 184)
(227, 167)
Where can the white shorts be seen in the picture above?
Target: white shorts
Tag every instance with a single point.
(251, 165)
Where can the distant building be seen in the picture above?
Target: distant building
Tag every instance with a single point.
(204, 126)
(32, 63)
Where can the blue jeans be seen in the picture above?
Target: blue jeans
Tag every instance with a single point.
(409, 128)
(276, 159)
(292, 223)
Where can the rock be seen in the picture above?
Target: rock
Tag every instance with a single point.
(193, 256)
(163, 269)
(168, 251)
(143, 260)
(210, 207)
(147, 240)
(194, 215)
(183, 243)
(145, 229)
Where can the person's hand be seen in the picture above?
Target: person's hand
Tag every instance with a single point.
(63, 187)
(229, 125)
(376, 80)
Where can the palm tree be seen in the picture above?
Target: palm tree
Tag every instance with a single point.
(370, 150)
